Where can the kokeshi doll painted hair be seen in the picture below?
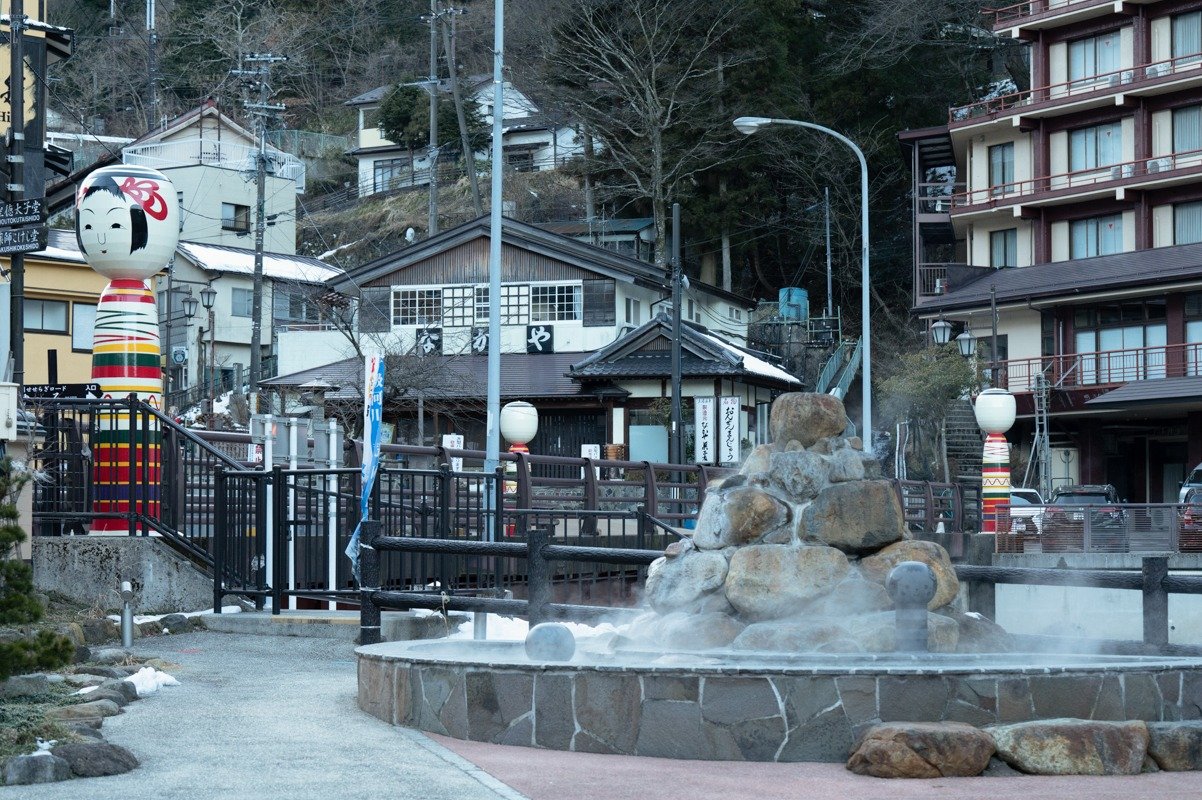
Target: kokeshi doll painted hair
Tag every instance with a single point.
(127, 224)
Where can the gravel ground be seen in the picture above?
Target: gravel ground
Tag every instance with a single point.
(264, 717)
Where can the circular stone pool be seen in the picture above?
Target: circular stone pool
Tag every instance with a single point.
(747, 706)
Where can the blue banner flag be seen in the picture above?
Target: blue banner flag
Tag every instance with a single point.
(373, 418)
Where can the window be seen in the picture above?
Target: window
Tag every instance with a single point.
(515, 304)
(242, 302)
(49, 316)
(1187, 222)
(1097, 146)
(735, 313)
(554, 303)
(1096, 236)
(416, 306)
(1187, 37)
(235, 217)
(1097, 55)
(386, 173)
(1111, 341)
(294, 306)
(1003, 248)
(1187, 129)
(457, 306)
(83, 323)
(634, 312)
(1001, 168)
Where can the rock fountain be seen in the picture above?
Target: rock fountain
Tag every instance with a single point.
(770, 634)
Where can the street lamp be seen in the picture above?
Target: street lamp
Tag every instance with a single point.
(941, 332)
(190, 305)
(967, 344)
(749, 125)
(208, 296)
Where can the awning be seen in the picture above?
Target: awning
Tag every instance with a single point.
(1158, 390)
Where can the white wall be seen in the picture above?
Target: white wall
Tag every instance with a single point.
(205, 188)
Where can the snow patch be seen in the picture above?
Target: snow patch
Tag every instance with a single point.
(149, 680)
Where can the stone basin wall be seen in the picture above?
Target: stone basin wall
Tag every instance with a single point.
(741, 714)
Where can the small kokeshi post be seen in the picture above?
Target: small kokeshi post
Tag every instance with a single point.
(995, 412)
(127, 224)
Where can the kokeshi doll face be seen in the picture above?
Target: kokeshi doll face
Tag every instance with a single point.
(127, 221)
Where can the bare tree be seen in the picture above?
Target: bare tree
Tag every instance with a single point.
(643, 75)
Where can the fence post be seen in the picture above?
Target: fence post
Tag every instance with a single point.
(538, 571)
(650, 492)
(1156, 601)
(369, 572)
(219, 523)
(131, 476)
(279, 537)
(261, 536)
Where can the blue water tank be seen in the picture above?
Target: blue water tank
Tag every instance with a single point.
(794, 303)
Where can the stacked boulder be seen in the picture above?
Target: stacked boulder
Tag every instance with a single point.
(792, 553)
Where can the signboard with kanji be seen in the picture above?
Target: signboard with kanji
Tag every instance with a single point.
(53, 390)
(728, 430)
(23, 212)
(703, 420)
(22, 240)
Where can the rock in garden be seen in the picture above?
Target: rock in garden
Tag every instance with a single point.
(845, 464)
(853, 595)
(174, 622)
(1176, 746)
(773, 581)
(94, 759)
(806, 417)
(877, 567)
(99, 630)
(84, 730)
(110, 655)
(739, 516)
(922, 750)
(95, 708)
(678, 583)
(20, 685)
(1072, 746)
(979, 634)
(758, 460)
(102, 672)
(121, 686)
(859, 517)
(45, 768)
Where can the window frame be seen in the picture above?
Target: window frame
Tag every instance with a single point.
(1093, 146)
(1089, 47)
(458, 306)
(562, 302)
(82, 326)
(410, 313)
(1193, 205)
(1097, 223)
(243, 305)
(238, 220)
(42, 305)
(1001, 184)
(1009, 239)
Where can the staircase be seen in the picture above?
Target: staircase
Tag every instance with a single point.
(964, 441)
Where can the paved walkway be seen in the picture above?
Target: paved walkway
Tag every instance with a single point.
(267, 717)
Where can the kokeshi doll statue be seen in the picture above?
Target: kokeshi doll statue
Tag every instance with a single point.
(127, 223)
(995, 413)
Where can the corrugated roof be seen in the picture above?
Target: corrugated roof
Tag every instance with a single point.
(1065, 279)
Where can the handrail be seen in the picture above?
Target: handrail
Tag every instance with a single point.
(849, 371)
(830, 368)
(1030, 8)
(1103, 367)
(1076, 88)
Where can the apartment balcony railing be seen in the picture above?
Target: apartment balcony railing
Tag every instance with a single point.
(1069, 185)
(1094, 87)
(931, 279)
(214, 153)
(1009, 15)
(1103, 368)
(936, 198)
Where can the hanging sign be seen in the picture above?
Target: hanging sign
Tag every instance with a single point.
(728, 430)
(703, 422)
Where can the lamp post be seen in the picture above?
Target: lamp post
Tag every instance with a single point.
(941, 331)
(749, 125)
(190, 304)
(208, 296)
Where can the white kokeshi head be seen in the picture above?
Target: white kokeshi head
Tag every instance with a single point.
(127, 221)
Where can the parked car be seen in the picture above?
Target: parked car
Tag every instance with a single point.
(1192, 481)
(1066, 513)
(1190, 536)
(1026, 515)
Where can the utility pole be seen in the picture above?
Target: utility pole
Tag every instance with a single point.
(469, 155)
(16, 180)
(152, 66)
(262, 110)
(432, 86)
(675, 449)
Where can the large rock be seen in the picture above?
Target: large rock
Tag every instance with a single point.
(94, 759)
(979, 634)
(739, 516)
(1176, 746)
(45, 768)
(922, 750)
(772, 581)
(759, 460)
(806, 417)
(858, 517)
(877, 633)
(877, 567)
(677, 583)
(853, 595)
(698, 631)
(800, 474)
(796, 637)
(1072, 746)
(21, 685)
(96, 708)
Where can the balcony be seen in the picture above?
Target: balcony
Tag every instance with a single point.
(1111, 180)
(1103, 368)
(1107, 88)
(1036, 14)
(931, 280)
(214, 153)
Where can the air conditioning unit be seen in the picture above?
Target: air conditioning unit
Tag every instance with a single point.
(1156, 165)
(1127, 76)
(1113, 81)
(1121, 171)
(1156, 70)
(940, 285)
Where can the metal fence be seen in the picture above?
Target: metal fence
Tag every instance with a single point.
(1125, 528)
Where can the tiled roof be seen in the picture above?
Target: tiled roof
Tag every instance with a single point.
(1162, 390)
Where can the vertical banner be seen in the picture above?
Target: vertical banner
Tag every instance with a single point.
(728, 430)
(373, 418)
(703, 421)
(592, 451)
(454, 441)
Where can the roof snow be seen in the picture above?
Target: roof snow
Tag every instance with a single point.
(751, 363)
(277, 266)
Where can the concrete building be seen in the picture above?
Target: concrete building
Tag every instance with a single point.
(1074, 208)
